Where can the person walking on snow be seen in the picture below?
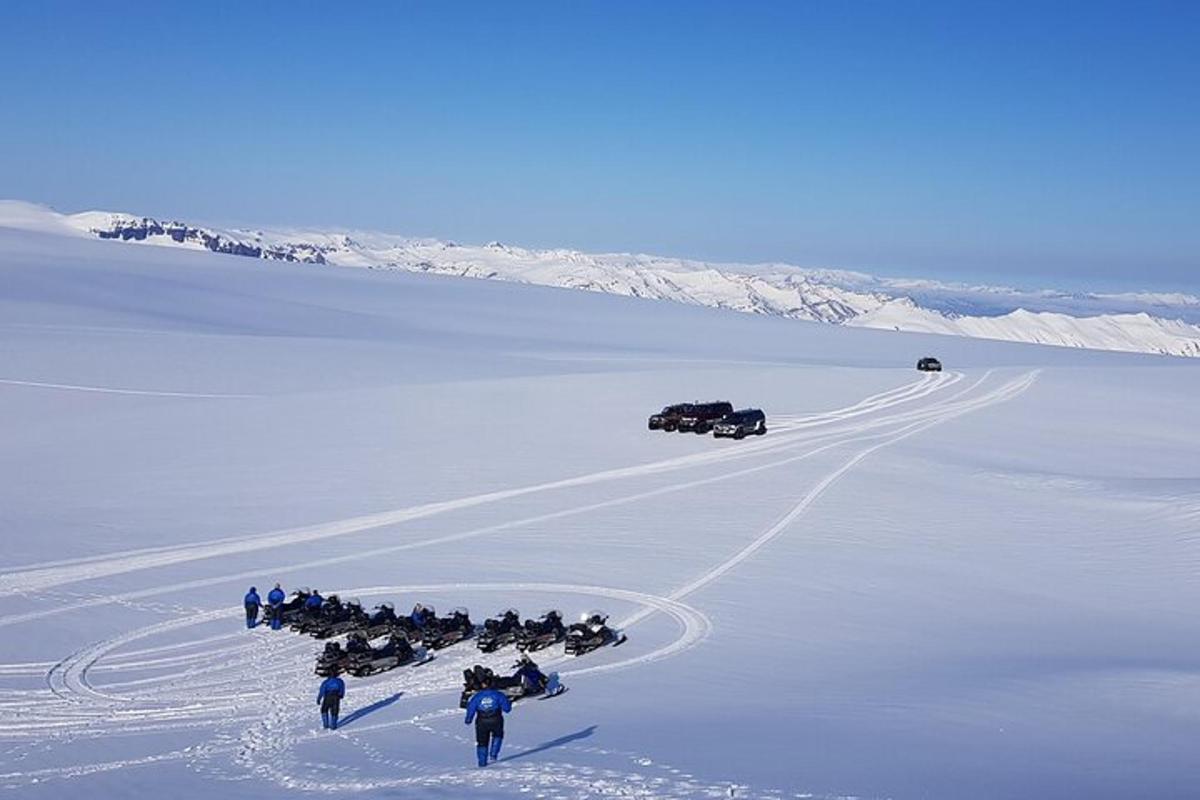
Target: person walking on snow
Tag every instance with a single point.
(275, 599)
(253, 604)
(487, 709)
(329, 698)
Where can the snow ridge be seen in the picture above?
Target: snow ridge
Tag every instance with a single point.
(1160, 323)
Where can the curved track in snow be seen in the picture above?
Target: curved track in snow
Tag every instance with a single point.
(146, 680)
(51, 574)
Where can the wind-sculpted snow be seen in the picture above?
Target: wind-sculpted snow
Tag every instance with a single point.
(1163, 323)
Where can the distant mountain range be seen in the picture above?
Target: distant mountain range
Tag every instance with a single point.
(1167, 324)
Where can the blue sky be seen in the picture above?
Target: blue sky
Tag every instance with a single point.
(1041, 143)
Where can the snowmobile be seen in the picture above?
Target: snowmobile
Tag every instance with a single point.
(293, 609)
(381, 622)
(526, 681)
(590, 633)
(350, 617)
(333, 659)
(395, 652)
(330, 611)
(499, 631)
(538, 633)
(306, 615)
(445, 631)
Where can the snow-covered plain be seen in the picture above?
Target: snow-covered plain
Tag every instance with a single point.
(1162, 323)
(978, 584)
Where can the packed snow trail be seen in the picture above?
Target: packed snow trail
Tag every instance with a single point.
(951, 410)
(165, 701)
(51, 574)
(109, 390)
(779, 443)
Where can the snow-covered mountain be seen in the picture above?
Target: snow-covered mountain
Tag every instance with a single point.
(1166, 324)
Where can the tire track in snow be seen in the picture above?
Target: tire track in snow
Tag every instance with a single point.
(948, 411)
(110, 390)
(836, 439)
(43, 576)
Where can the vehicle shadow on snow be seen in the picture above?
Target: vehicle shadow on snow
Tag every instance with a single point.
(553, 743)
(362, 712)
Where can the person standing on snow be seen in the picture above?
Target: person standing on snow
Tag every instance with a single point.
(487, 708)
(253, 604)
(275, 599)
(329, 698)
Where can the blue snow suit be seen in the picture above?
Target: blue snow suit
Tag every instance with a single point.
(313, 602)
(276, 598)
(329, 698)
(487, 708)
(533, 677)
(419, 617)
(252, 604)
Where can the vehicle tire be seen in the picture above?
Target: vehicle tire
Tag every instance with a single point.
(739, 434)
(761, 431)
(668, 427)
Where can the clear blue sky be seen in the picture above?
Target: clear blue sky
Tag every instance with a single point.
(1039, 143)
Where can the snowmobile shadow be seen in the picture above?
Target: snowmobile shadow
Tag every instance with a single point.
(553, 743)
(362, 712)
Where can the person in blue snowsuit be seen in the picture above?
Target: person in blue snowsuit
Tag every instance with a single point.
(487, 709)
(314, 601)
(253, 604)
(534, 679)
(329, 698)
(275, 600)
(420, 615)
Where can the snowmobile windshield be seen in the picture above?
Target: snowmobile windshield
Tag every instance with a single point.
(460, 612)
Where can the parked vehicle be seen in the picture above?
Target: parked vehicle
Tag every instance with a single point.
(668, 418)
(929, 364)
(702, 416)
(740, 423)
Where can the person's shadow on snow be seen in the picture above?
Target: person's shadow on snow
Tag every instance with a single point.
(362, 712)
(553, 743)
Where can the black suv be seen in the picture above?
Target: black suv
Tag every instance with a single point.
(929, 364)
(740, 423)
(702, 416)
(668, 418)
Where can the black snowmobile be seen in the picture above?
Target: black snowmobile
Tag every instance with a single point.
(394, 653)
(382, 621)
(499, 631)
(527, 680)
(538, 633)
(440, 632)
(351, 617)
(293, 609)
(332, 659)
(331, 610)
(591, 633)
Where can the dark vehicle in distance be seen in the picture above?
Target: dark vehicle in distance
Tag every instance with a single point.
(668, 418)
(929, 364)
(702, 416)
(740, 423)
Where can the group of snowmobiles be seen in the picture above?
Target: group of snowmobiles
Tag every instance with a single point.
(409, 639)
